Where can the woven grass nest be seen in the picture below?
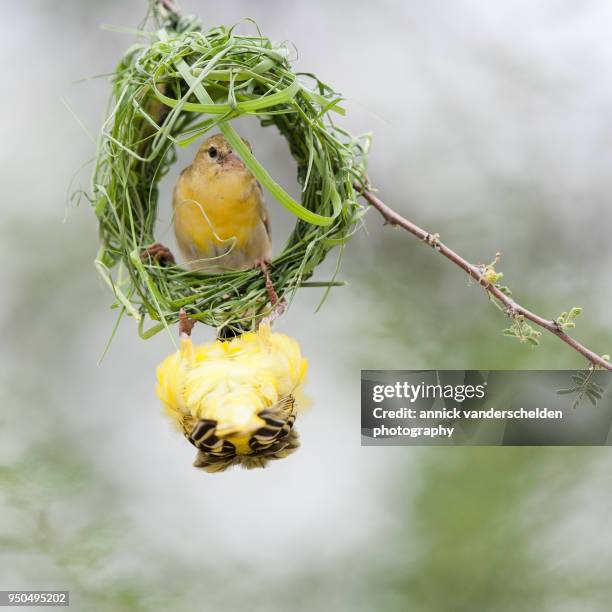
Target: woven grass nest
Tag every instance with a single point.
(170, 90)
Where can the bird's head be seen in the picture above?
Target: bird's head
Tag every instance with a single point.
(216, 154)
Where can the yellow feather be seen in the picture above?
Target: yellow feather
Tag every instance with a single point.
(238, 385)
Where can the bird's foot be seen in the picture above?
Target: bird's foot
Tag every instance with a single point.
(262, 264)
(158, 253)
(185, 323)
(278, 304)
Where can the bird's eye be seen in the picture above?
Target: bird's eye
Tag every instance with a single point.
(212, 152)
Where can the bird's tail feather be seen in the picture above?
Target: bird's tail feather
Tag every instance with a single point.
(275, 440)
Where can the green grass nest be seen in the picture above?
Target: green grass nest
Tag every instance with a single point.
(170, 90)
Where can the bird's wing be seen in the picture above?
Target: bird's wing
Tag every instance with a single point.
(263, 211)
(176, 197)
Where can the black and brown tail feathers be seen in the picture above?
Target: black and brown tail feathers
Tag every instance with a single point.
(275, 440)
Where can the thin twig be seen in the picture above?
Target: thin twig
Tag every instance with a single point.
(511, 307)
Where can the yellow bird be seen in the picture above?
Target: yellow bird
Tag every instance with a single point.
(220, 218)
(236, 401)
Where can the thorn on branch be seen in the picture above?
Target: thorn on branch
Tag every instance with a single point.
(511, 312)
(433, 240)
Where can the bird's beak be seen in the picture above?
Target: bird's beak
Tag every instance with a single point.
(231, 160)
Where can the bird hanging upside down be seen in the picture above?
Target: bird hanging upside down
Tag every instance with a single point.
(235, 401)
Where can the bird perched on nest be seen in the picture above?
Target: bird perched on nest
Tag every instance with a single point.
(221, 221)
(235, 401)
(220, 218)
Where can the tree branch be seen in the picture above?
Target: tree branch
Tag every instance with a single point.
(512, 308)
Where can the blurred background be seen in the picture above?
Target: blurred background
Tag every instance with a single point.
(492, 126)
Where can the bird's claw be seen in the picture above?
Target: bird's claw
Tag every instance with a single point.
(262, 264)
(185, 323)
(159, 253)
(278, 304)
